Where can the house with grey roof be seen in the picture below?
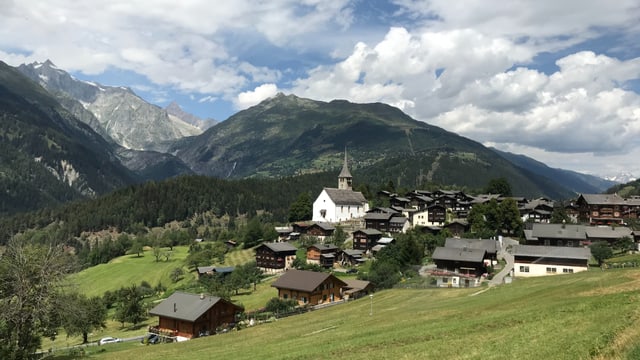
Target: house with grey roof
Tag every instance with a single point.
(610, 234)
(322, 254)
(458, 267)
(556, 235)
(488, 245)
(309, 287)
(531, 260)
(365, 239)
(275, 257)
(192, 315)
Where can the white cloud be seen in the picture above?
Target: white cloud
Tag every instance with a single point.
(250, 98)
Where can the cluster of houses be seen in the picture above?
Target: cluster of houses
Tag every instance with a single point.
(548, 249)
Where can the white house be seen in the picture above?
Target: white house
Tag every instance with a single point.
(537, 260)
(341, 204)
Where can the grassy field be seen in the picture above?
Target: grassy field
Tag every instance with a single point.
(590, 315)
(130, 269)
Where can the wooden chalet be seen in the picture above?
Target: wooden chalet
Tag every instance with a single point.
(606, 209)
(570, 235)
(610, 234)
(465, 261)
(275, 257)
(320, 230)
(399, 224)
(437, 215)
(357, 288)
(192, 315)
(549, 260)
(488, 245)
(349, 257)
(457, 227)
(365, 239)
(322, 254)
(309, 287)
(212, 270)
(378, 221)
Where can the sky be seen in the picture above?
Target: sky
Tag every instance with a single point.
(558, 81)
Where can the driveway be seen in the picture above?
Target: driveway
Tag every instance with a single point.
(504, 254)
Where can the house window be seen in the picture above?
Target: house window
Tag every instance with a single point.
(547, 242)
(304, 299)
(524, 269)
(567, 271)
(285, 296)
(445, 280)
(551, 270)
(569, 243)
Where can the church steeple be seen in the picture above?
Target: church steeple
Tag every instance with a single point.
(345, 178)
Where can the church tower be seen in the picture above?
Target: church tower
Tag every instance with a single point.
(345, 179)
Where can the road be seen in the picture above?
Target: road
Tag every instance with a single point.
(504, 254)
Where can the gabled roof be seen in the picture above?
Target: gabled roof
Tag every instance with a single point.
(303, 280)
(607, 232)
(453, 254)
(490, 246)
(602, 199)
(558, 252)
(398, 220)
(370, 232)
(324, 226)
(185, 306)
(353, 252)
(558, 231)
(324, 247)
(280, 246)
(345, 197)
(386, 240)
(378, 216)
(356, 284)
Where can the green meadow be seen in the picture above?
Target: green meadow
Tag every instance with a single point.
(590, 315)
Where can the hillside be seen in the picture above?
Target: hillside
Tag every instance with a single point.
(47, 156)
(574, 181)
(590, 315)
(288, 135)
(626, 190)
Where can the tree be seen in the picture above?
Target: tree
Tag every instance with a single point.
(623, 244)
(601, 251)
(130, 305)
(30, 282)
(339, 236)
(511, 222)
(499, 186)
(176, 274)
(559, 216)
(136, 248)
(253, 233)
(301, 209)
(81, 315)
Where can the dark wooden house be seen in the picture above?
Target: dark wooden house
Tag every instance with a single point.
(192, 315)
(275, 257)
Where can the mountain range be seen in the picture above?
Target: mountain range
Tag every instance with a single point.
(133, 141)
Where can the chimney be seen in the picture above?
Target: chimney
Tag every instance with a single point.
(201, 296)
(175, 307)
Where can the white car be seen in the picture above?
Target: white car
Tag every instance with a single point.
(109, 340)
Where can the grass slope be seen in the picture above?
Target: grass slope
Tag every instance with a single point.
(130, 269)
(591, 315)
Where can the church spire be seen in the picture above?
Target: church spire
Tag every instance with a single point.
(345, 178)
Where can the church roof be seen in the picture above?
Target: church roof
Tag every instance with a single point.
(344, 173)
(345, 197)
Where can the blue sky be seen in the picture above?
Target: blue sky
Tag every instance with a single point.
(555, 80)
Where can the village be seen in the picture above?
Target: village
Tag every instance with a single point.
(545, 249)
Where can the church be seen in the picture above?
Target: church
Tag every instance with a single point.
(341, 204)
